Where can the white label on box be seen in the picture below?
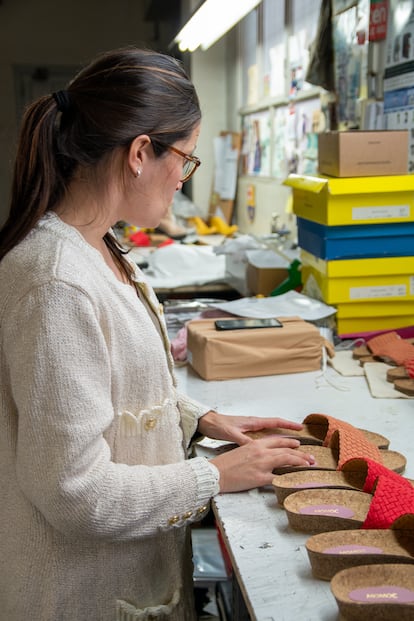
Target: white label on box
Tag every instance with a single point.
(382, 212)
(390, 291)
(411, 285)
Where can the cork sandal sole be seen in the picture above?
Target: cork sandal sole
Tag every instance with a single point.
(316, 429)
(320, 510)
(327, 458)
(381, 592)
(406, 386)
(286, 484)
(334, 551)
(397, 373)
(324, 510)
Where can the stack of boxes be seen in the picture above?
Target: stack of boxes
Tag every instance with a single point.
(356, 230)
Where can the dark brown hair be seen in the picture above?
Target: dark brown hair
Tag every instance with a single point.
(122, 94)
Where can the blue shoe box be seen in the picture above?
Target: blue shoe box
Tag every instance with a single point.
(356, 241)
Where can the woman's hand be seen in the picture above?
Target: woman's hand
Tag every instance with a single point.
(234, 428)
(252, 464)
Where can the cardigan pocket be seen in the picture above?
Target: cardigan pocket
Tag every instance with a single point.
(150, 436)
(128, 612)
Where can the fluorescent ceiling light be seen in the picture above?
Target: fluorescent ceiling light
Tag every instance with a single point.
(211, 21)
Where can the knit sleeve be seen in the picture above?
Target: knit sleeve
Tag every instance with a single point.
(58, 360)
(191, 411)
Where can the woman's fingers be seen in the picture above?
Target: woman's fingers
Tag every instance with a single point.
(252, 465)
(268, 423)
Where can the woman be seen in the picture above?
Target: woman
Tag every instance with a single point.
(96, 489)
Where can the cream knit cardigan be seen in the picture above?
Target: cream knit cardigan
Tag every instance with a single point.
(96, 491)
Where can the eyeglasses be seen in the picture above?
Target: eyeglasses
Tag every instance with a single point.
(191, 163)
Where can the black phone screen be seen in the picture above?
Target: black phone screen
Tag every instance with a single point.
(246, 324)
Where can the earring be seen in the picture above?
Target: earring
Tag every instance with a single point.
(138, 173)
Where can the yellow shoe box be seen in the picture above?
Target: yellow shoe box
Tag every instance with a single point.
(353, 280)
(353, 200)
(360, 317)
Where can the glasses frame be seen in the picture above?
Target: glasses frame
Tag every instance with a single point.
(190, 158)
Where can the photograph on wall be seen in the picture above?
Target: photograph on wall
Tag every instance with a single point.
(399, 68)
(348, 57)
(299, 55)
(399, 72)
(279, 141)
(256, 144)
(276, 77)
(295, 137)
(306, 120)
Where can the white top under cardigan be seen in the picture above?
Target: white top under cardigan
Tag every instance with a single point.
(95, 486)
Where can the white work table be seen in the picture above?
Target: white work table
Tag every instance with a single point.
(269, 559)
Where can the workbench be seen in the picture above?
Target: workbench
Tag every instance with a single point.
(269, 559)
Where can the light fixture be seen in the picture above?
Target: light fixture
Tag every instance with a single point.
(211, 21)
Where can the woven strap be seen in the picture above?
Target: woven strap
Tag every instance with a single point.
(373, 470)
(391, 346)
(409, 365)
(330, 423)
(352, 443)
(390, 501)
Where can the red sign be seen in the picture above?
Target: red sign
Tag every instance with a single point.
(378, 15)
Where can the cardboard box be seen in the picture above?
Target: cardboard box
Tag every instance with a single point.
(355, 200)
(265, 271)
(362, 153)
(220, 355)
(263, 280)
(354, 280)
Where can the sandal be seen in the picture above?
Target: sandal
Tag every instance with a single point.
(336, 550)
(404, 371)
(388, 347)
(404, 381)
(343, 446)
(355, 474)
(383, 592)
(318, 429)
(322, 510)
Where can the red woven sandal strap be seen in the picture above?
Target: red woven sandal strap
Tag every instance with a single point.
(328, 425)
(392, 347)
(409, 365)
(390, 501)
(373, 470)
(337, 425)
(352, 443)
(378, 342)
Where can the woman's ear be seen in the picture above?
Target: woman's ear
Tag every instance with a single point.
(138, 154)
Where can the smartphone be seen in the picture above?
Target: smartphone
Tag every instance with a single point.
(246, 324)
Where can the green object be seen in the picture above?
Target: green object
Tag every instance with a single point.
(293, 280)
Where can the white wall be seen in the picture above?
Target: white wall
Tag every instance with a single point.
(208, 72)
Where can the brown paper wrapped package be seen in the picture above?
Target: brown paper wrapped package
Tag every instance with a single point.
(231, 354)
